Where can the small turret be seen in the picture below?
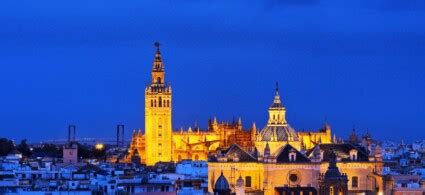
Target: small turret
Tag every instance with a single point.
(353, 137)
(222, 186)
(267, 150)
(239, 123)
(253, 132)
(214, 124)
(240, 186)
(333, 181)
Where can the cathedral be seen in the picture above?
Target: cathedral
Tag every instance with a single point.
(162, 143)
(276, 159)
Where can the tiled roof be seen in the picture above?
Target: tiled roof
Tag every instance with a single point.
(236, 150)
(283, 155)
(342, 151)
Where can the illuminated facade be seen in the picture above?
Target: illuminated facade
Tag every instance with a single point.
(289, 169)
(287, 162)
(161, 143)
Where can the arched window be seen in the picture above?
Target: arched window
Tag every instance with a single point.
(292, 157)
(168, 103)
(151, 103)
(164, 103)
(196, 157)
(179, 158)
(159, 102)
(154, 103)
(158, 80)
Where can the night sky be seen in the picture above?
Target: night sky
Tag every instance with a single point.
(352, 63)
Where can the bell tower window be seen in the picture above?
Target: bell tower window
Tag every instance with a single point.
(159, 102)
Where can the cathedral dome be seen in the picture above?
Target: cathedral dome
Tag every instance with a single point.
(278, 133)
(277, 129)
(221, 184)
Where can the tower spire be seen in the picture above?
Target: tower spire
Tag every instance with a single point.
(277, 102)
(277, 87)
(277, 110)
(158, 66)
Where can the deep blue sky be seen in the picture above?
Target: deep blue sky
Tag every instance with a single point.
(356, 63)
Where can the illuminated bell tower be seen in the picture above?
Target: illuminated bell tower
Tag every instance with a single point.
(158, 127)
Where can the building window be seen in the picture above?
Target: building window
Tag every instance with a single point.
(248, 181)
(154, 103)
(159, 134)
(292, 157)
(159, 102)
(355, 182)
(168, 103)
(353, 155)
(159, 144)
(159, 154)
(151, 103)
(331, 190)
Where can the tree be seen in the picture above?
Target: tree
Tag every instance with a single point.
(84, 152)
(50, 150)
(6, 146)
(24, 149)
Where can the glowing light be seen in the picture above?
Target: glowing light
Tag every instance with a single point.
(99, 146)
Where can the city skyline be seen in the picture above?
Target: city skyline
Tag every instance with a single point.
(317, 97)
(362, 71)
